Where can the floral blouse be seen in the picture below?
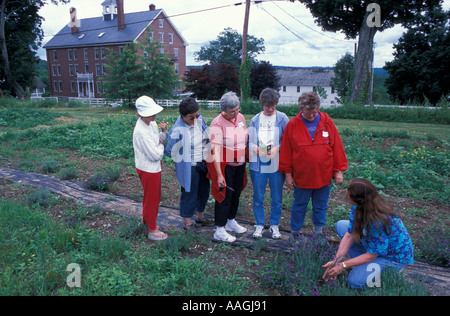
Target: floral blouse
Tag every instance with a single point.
(397, 246)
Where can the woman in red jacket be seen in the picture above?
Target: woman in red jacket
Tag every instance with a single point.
(311, 154)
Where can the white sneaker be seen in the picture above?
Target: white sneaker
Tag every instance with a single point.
(258, 231)
(222, 235)
(233, 226)
(275, 232)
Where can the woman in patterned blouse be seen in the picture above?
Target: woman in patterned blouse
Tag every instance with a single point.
(374, 238)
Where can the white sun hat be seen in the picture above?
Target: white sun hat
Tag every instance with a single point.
(146, 106)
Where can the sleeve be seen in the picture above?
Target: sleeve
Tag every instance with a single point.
(252, 136)
(285, 163)
(215, 134)
(340, 162)
(149, 147)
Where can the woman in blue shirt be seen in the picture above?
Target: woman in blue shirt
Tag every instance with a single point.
(265, 134)
(374, 238)
(188, 144)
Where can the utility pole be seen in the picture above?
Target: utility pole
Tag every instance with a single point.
(244, 46)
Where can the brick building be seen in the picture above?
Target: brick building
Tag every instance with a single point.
(76, 56)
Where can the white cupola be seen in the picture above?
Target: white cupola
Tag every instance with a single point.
(109, 10)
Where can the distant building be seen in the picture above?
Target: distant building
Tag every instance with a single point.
(295, 81)
(76, 56)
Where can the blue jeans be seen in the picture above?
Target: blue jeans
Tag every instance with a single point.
(195, 201)
(358, 276)
(276, 181)
(319, 199)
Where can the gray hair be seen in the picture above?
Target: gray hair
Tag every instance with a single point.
(309, 100)
(229, 101)
(269, 97)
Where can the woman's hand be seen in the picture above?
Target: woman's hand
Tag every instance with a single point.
(221, 181)
(163, 126)
(338, 177)
(290, 181)
(333, 270)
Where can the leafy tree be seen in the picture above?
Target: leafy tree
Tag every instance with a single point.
(342, 80)
(421, 65)
(20, 36)
(351, 18)
(212, 81)
(131, 74)
(227, 49)
(264, 75)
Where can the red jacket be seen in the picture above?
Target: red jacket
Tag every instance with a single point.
(312, 162)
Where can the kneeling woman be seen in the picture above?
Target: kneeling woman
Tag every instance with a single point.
(373, 235)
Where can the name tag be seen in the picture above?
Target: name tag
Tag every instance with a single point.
(241, 124)
(325, 134)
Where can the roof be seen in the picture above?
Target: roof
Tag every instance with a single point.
(135, 23)
(305, 76)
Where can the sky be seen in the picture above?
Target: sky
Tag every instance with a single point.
(291, 37)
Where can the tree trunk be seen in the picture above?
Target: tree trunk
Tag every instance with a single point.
(10, 80)
(363, 61)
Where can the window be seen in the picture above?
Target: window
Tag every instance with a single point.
(97, 69)
(102, 53)
(120, 49)
(76, 69)
(71, 70)
(59, 70)
(284, 88)
(72, 86)
(55, 55)
(55, 86)
(161, 23)
(170, 38)
(161, 37)
(150, 35)
(96, 54)
(85, 50)
(54, 70)
(175, 53)
(69, 54)
(177, 69)
(161, 50)
(60, 86)
(86, 69)
(75, 54)
(103, 70)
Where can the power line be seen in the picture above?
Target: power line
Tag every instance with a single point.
(171, 16)
(336, 39)
(287, 28)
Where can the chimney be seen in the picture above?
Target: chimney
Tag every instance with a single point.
(120, 15)
(152, 7)
(73, 20)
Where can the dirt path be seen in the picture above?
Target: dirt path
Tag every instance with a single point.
(436, 278)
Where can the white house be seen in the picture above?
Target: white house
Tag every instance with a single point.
(295, 81)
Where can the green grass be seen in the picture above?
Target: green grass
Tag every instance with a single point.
(35, 252)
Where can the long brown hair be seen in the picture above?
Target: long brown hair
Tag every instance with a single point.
(371, 208)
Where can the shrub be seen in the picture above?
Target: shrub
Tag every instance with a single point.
(50, 166)
(101, 181)
(41, 196)
(434, 246)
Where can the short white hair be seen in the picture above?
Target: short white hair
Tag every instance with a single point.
(229, 101)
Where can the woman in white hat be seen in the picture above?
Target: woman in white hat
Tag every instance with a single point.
(148, 153)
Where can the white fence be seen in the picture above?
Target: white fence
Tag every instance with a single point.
(163, 103)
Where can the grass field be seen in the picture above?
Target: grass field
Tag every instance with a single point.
(409, 163)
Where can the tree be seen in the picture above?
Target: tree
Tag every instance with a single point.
(227, 49)
(352, 18)
(132, 74)
(342, 80)
(263, 75)
(421, 65)
(212, 81)
(20, 37)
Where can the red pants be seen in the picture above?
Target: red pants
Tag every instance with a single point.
(151, 184)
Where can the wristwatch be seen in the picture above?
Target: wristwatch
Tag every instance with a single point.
(344, 266)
